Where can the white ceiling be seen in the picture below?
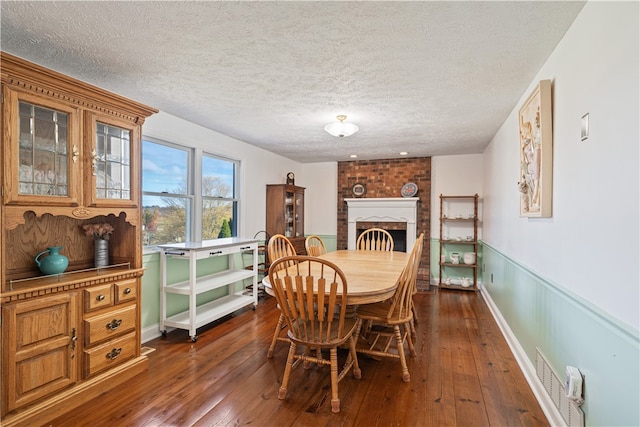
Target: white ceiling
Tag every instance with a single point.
(430, 78)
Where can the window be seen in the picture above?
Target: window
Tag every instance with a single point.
(219, 206)
(166, 204)
(187, 195)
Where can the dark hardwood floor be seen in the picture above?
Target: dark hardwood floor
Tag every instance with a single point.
(464, 375)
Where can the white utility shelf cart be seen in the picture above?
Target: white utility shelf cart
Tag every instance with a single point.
(200, 315)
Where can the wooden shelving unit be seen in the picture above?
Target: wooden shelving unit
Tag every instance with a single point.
(459, 235)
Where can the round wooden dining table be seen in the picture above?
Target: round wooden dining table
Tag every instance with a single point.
(372, 276)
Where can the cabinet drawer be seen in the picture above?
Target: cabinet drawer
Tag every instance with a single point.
(213, 252)
(126, 290)
(109, 354)
(109, 325)
(98, 297)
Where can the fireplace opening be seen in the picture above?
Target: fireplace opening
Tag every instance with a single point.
(399, 238)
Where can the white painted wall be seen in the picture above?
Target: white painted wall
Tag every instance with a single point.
(321, 197)
(455, 176)
(590, 245)
(258, 167)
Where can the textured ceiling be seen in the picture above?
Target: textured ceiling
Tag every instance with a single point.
(429, 78)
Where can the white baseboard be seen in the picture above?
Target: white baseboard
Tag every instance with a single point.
(528, 369)
(152, 332)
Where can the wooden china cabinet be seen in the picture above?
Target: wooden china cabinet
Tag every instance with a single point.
(285, 213)
(70, 157)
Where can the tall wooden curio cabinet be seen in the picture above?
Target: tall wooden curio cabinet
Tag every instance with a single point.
(285, 213)
(70, 157)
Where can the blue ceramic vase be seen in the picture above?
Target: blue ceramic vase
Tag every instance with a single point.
(54, 263)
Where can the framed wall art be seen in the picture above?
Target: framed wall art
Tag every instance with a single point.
(536, 153)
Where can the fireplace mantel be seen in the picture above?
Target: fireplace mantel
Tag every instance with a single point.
(388, 209)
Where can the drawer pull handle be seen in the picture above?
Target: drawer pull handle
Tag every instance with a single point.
(127, 291)
(215, 253)
(114, 324)
(113, 354)
(244, 248)
(100, 297)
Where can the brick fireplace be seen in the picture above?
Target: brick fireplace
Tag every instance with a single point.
(384, 179)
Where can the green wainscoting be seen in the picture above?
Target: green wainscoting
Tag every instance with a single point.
(569, 331)
(434, 266)
(151, 290)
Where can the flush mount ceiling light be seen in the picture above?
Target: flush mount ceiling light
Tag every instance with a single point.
(341, 128)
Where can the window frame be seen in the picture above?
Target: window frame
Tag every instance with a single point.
(235, 200)
(195, 155)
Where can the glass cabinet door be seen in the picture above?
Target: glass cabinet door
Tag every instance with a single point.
(112, 162)
(289, 214)
(299, 215)
(44, 167)
(114, 176)
(44, 159)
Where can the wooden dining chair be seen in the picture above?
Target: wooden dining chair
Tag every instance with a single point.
(414, 321)
(375, 239)
(312, 298)
(315, 246)
(279, 246)
(390, 321)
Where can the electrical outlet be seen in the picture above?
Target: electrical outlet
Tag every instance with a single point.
(573, 384)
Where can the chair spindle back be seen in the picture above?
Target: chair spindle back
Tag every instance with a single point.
(315, 246)
(375, 239)
(279, 247)
(309, 295)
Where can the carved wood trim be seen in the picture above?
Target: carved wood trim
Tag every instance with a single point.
(15, 215)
